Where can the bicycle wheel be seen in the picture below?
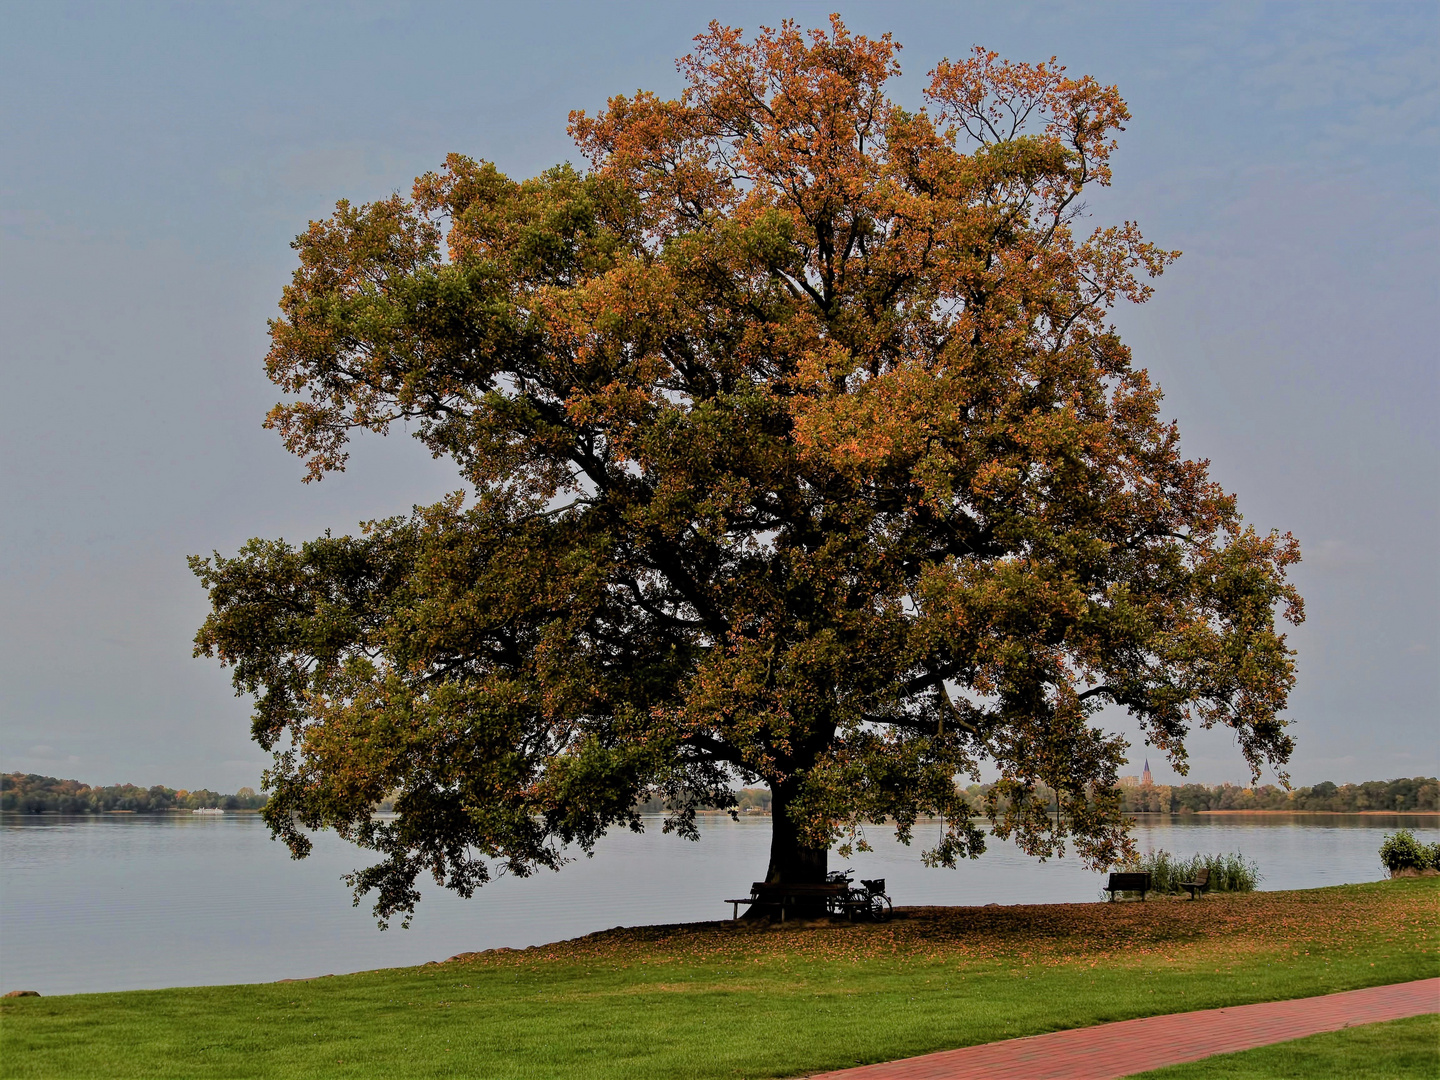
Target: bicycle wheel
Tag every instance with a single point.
(880, 907)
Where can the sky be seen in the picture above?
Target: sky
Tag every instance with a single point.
(157, 159)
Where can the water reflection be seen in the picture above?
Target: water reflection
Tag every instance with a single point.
(123, 902)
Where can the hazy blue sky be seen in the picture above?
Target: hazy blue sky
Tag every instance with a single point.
(156, 160)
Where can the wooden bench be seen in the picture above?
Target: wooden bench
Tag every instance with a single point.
(1131, 882)
(761, 892)
(1199, 885)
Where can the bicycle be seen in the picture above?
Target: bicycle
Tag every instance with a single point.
(870, 901)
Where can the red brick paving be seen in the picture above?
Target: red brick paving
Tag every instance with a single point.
(1108, 1051)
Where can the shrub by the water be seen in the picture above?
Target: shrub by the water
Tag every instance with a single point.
(1231, 872)
(1402, 851)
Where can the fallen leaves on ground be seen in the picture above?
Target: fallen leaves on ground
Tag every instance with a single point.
(1225, 928)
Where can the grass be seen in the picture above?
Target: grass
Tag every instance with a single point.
(1395, 1051)
(723, 1000)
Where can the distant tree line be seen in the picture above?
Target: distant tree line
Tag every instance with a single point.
(1404, 794)
(1412, 793)
(29, 793)
(747, 801)
(1397, 796)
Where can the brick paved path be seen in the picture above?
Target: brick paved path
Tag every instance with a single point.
(1107, 1051)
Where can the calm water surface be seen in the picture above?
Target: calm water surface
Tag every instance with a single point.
(127, 902)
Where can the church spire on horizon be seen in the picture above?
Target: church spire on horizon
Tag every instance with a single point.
(1145, 777)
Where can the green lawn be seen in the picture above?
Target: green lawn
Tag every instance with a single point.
(1398, 1050)
(728, 1000)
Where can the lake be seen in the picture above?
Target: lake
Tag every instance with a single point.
(122, 902)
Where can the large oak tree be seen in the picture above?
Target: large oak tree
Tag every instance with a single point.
(800, 450)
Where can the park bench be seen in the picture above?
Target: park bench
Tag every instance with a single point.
(1200, 884)
(1129, 882)
(830, 894)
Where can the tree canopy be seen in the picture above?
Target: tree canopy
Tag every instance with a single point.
(799, 449)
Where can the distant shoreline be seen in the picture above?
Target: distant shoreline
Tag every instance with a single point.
(1291, 813)
(766, 813)
(204, 811)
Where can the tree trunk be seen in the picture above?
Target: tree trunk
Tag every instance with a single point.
(791, 862)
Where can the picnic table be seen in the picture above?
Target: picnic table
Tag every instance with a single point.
(836, 897)
(791, 896)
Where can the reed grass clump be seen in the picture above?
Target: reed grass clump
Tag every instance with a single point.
(1230, 872)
